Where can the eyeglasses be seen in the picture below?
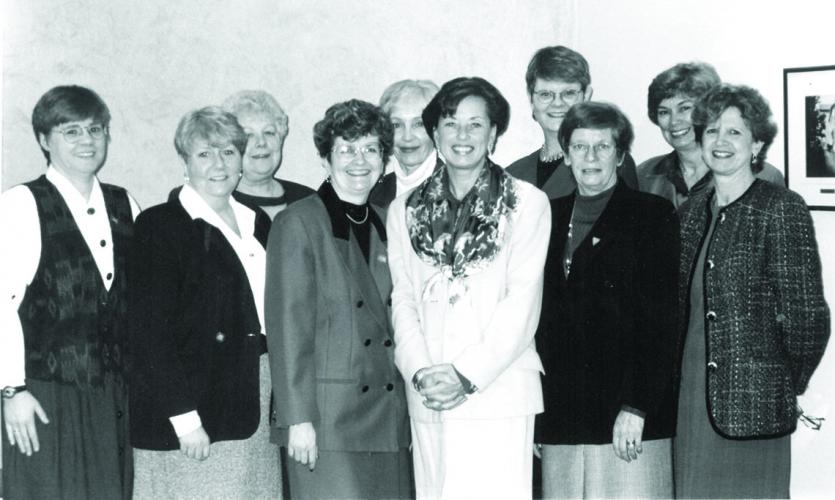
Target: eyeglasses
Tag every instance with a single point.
(809, 421)
(602, 150)
(348, 152)
(568, 96)
(74, 133)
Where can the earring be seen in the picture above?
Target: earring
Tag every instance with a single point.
(753, 158)
(185, 177)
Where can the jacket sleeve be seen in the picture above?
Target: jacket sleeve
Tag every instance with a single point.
(515, 317)
(410, 352)
(290, 310)
(795, 270)
(155, 308)
(654, 298)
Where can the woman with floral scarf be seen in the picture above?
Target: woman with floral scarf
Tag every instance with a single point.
(466, 251)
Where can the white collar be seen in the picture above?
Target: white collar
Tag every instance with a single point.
(409, 181)
(69, 192)
(197, 208)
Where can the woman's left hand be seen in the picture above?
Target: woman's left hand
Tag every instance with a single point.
(626, 436)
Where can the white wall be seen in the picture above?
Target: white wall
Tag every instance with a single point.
(153, 61)
(748, 41)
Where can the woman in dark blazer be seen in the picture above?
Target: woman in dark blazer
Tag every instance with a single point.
(340, 401)
(754, 321)
(200, 379)
(607, 330)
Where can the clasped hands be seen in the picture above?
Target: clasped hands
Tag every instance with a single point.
(441, 386)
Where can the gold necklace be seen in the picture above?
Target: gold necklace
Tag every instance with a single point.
(355, 221)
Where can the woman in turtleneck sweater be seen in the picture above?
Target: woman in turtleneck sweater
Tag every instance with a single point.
(607, 330)
(340, 404)
(414, 151)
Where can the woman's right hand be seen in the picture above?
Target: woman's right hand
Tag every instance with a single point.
(19, 414)
(196, 444)
(301, 444)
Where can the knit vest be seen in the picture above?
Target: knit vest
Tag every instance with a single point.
(73, 327)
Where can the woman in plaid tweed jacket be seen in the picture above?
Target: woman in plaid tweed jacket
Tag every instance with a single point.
(754, 320)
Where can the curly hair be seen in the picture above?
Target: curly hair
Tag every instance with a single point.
(597, 116)
(211, 124)
(558, 63)
(258, 101)
(64, 104)
(751, 105)
(446, 101)
(352, 120)
(691, 79)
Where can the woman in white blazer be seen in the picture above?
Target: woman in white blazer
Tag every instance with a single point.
(466, 251)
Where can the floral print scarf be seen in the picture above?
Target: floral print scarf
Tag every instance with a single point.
(461, 238)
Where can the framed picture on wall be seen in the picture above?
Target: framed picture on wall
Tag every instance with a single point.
(809, 111)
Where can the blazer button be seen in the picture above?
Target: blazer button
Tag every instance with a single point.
(220, 337)
(365, 388)
(359, 303)
(388, 301)
(389, 387)
(367, 342)
(710, 264)
(711, 315)
(712, 366)
(119, 414)
(387, 343)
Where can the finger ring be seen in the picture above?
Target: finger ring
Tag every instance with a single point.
(630, 443)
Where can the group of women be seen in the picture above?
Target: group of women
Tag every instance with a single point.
(645, 333)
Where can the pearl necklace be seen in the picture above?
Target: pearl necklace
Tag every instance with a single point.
(549, 157)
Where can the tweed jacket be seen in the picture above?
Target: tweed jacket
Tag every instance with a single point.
(766, 321)
(561, 182)
(195, 337)
(329, 331)
(661, 175)
(607, 334)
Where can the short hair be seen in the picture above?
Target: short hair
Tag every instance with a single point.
(597, 116)
(446, 101)
(394, 92)
(352, 120)
(258, 101)
(692, 79)
(558, 63)
(64, 104)
(211, 124)
(751, 105)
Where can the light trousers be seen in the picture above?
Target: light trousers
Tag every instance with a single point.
(594, 471)
(484, 459)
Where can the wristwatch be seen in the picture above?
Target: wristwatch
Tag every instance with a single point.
(9, 391)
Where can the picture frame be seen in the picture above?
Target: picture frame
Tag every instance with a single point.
(809, 130)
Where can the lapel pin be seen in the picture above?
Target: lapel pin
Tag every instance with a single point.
(595, 240)
(382, 258)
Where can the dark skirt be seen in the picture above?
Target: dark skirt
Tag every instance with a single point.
(84, 449)
(707, 465)
(344, 474)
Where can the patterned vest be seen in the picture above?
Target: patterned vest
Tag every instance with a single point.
(73, 327)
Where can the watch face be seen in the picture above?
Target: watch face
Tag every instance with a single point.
(8, 392)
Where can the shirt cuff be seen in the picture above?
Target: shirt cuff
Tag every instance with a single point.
(186, 423)
(634, 411)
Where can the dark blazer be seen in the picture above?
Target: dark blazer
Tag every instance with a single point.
(766, 321)
(194, 331)
(328, 329)
(384, 192)
(607, 334)
(561, 182)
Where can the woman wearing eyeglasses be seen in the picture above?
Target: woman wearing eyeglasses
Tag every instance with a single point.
(62, 313)
(607, 331)
(340, 405)
(557, 78)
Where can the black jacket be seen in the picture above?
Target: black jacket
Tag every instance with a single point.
(194, 330)
(607, 334)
